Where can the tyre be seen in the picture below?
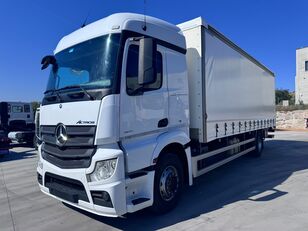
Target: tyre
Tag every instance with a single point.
(259, 144)
(168, 183)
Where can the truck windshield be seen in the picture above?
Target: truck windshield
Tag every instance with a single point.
(90, 64)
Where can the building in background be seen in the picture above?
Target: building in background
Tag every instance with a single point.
(301, 78)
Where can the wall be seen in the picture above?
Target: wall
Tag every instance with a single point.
(291, 119)
(301, 79)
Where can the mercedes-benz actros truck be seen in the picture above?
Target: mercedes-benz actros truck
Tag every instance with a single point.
(136, 109)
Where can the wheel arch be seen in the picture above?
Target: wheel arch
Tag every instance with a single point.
(175, 142)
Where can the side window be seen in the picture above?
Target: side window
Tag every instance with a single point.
(26, 108)
(132, 71)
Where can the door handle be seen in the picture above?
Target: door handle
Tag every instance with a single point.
(163, 123)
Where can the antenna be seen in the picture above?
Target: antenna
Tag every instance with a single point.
(86, 19)
(144, 27)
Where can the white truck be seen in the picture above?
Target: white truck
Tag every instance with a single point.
(135, 110)
(16, 116)
(17, 120)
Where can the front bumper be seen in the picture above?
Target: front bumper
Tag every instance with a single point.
(114, 186)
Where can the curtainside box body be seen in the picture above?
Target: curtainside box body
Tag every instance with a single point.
(229, 91)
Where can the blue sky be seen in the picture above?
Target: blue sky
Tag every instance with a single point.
(269, 30)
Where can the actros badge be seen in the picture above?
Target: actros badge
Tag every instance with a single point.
(85, 122)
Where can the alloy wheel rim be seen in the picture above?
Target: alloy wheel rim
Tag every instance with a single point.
(169, 183)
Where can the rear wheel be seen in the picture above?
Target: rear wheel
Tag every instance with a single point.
(168, 183)
(259, 144)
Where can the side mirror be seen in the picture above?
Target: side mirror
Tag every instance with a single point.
(49, 59)
(147, 61)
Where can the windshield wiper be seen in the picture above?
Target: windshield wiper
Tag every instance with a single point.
(56, 92)
(80, 87)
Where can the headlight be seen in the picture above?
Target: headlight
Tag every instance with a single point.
(103, 170)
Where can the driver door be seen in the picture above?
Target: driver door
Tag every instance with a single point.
(143, 117)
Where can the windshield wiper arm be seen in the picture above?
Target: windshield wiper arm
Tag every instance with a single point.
(56, 92)
(80, 87)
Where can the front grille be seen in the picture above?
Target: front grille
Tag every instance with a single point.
(65, 188)
(77, 135)
(78, 150)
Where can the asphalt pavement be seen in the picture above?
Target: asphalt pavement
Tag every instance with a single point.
(267, 193)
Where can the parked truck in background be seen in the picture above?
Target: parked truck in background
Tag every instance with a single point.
(4, 143)
(17, 120)
(17, 116)
(136, 110)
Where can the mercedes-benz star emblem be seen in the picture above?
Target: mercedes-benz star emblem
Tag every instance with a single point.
(61, 135)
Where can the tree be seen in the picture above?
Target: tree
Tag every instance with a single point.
(282, 94)
(292, 99)
(35, 105)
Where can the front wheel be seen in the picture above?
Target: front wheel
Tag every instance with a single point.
(168, 183)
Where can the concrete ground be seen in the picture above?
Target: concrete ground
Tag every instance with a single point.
(267, 193)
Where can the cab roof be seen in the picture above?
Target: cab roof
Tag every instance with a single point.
(115, 23)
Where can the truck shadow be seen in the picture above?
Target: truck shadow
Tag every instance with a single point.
(247, 178)
(12, 155)
(20, 145)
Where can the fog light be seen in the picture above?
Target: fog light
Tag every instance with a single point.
(103, 170)
(101, 198)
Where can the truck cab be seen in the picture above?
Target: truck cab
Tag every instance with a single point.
(116, 100)
(16, 116)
